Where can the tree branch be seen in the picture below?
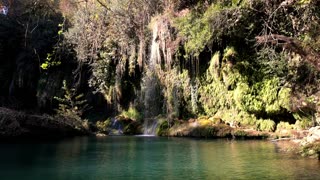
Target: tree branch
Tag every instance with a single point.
(103, 5)
(294, 45)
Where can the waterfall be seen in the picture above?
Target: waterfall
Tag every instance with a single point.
(116, 127)
(150, 127)
(155, 57)
(151, 87)
(152, 102)
(194, 97)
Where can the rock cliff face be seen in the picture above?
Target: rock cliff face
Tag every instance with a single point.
(15, 124)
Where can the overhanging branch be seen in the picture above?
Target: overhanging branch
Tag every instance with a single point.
(293, 45)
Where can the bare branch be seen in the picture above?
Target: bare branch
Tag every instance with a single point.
(103, 5)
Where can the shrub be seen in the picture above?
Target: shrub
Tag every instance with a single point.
(132, 113)
(284, 125)
(103, 126)
(247, 119)
(72, 104)
(303, 124)
(163, 127)
(266, 125)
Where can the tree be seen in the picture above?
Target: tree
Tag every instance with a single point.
(71, 104)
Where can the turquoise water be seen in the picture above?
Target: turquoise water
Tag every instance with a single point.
(151, 158)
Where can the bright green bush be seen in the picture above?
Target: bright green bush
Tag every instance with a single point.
(303, 124)
(266, 125)
(196, 30)
(284, 125)
(132, 113)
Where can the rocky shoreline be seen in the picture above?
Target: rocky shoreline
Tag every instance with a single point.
(303, 142)
(18, 125)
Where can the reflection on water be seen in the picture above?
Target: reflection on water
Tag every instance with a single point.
(151, 158)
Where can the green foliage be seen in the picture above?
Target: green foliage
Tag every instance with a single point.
(49, 62)
(214, 93)
(215, 96)
(71, 104)
(176, 89)
(196, 30)
(246, 119)
(285, 126)
(213, 70)
(243, 80)
(266, 96)
(88, 33)
(265, 125)
(163, 127)
(103, 126)
(303, 124)
(53, 58)
(132, 113)
(103, 77)
(229, 52)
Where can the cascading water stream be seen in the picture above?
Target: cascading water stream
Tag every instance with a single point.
(116, 127)
(152, 102)
(150, 127)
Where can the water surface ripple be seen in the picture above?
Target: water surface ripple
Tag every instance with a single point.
(153, 158)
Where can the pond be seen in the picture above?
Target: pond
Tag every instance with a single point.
(134, 157)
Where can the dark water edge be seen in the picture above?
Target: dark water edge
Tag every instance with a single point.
(130, 157)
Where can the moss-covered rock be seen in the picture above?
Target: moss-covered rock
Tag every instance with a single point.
(202, 127)
(120, 125)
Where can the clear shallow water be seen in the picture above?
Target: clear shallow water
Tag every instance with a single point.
(151, 158)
